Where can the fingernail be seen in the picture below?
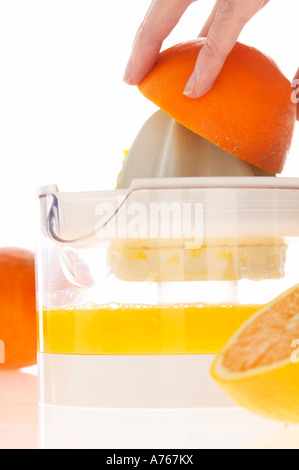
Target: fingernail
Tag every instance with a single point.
(128, 71)
(189, 89)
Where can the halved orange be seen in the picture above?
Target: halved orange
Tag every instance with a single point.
(248, 112)
(259, 367)
(18, 343)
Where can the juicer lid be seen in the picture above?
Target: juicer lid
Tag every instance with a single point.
(231, 209)
(179, 183)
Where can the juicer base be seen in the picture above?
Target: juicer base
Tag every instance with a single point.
(149, 381)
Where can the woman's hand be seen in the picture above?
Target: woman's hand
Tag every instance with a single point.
(221, 29)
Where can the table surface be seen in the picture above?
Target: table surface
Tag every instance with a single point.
(25, 424)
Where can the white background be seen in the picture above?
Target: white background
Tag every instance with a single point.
(66, 116)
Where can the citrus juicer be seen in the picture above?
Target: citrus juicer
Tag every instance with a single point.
(138, 288)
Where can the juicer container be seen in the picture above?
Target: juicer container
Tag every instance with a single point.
(139, 288)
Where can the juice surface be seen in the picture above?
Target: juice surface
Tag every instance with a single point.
(140, 329)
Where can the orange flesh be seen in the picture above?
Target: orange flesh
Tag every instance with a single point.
(141, 329)
(268, 338)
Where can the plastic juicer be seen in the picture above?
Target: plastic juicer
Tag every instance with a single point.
(138, 288)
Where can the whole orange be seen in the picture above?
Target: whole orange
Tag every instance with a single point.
(248, 112)
(17, 309)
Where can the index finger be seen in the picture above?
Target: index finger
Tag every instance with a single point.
(230, 19)
(161, 18)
